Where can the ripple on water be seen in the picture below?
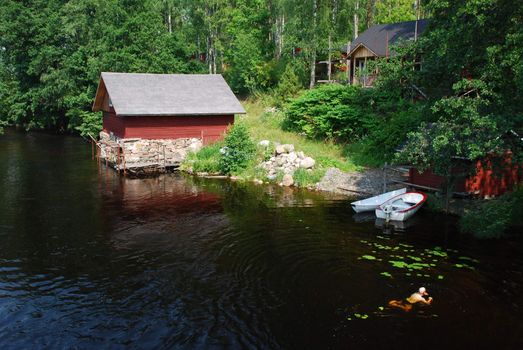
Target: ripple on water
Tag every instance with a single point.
(178, 262)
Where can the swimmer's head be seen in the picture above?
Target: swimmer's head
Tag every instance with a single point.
(423, 291)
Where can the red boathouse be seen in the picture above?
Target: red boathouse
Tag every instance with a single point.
(166, 106)
(493, 176)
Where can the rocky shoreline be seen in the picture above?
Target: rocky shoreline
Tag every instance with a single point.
(284, 161)
(369, 182)
(281, 164)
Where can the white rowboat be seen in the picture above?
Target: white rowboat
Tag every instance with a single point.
(372, 203)
(401, 207)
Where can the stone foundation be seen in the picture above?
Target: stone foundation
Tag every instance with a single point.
(140, 153)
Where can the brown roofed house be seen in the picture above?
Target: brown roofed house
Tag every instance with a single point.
(378, 41)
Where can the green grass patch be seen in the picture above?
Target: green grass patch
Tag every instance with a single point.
(206, 160)
(303, 177)
(265, 124)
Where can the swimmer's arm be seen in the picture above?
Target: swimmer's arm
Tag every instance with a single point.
(426, 301)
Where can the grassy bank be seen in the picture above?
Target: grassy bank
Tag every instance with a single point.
(265, 123)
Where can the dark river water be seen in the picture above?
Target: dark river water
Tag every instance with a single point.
(89, 260)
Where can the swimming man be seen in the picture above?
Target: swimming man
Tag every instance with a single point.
(415, 298)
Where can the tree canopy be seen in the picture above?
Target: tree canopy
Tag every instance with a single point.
(52, 51)
(472, 72)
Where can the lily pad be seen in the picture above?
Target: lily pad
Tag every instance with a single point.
(415, 258)
(468, 259)
(399, 264)
(436, 252)
(368, 257)
(386, 274)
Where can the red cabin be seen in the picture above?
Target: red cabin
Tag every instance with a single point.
(494, 175)
(166, 106)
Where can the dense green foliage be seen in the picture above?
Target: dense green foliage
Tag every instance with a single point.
(238, 151)
(464, 102)
(207, 160)
(373, 121)
(52, 51)
(462, 129)
(391, 11)
(491, 219)
(331, 111)
(472, 76)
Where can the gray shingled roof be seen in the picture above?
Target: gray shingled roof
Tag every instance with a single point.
(135, 94)
(375, 38)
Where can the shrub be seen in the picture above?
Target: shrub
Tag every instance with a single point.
(491, 219)
(91, 123)
(288, 86)
(331, 111)
(206, 160)
(375, 122)
(238, 151)
(382, 142)
(488, 220)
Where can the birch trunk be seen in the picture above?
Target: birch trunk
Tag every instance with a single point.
(313, 45)
(356, 18)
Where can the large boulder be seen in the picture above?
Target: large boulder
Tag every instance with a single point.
(195, 146)
(104, 136)
(264, 143)
(292, 157)
(307, 163)
(288, 148)
(287, 180)
(279, 149)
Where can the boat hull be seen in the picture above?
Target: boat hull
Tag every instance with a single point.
(411, 203)
(370, 204)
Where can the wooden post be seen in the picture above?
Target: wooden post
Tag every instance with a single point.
(329, 67)
(123, 157)
(354, 70)
(164, 156)
(387, 47)
(118, 159)
(365, 72)
(158, 153)
(348, 63)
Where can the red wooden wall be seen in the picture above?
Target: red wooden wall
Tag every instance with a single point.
(114, 124)
(429, 179)
(492, 178)
(209, 128)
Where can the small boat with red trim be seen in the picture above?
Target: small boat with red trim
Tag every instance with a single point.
(401, 207)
